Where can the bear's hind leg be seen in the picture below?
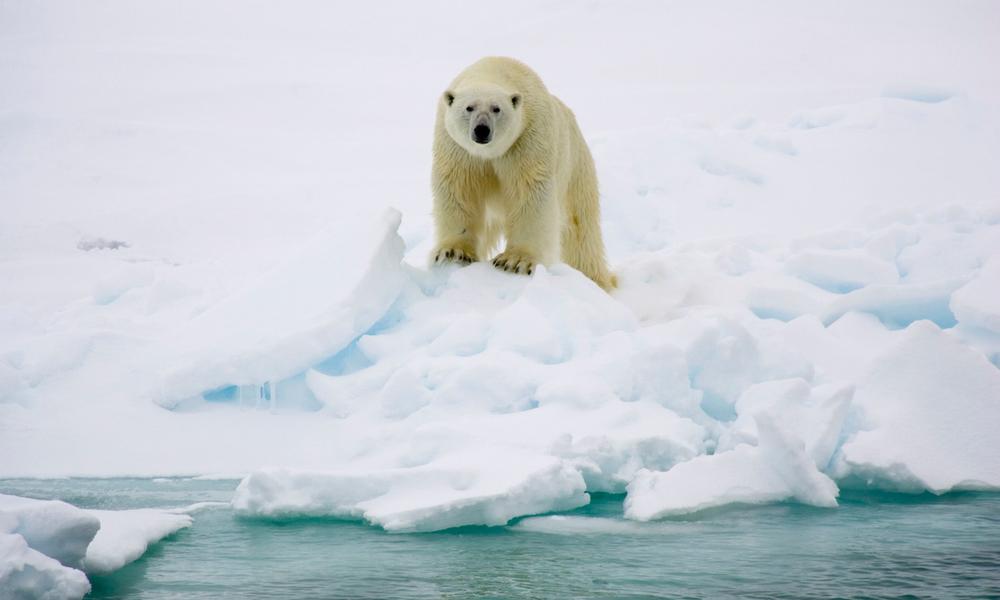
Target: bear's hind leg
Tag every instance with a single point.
(582, 243)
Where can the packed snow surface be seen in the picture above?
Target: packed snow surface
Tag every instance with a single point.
(215, 249)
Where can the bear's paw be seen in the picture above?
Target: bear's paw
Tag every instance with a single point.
(513, 261)
(446, 254)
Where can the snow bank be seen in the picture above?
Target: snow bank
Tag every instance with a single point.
(485, 410)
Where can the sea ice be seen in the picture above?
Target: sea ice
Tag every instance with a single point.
(27, 574)
(96, 541)
(56, 529)
(931, 409)
(289, 319)
(777, 468)
(778, 245)
(977, 303)
(474, 489)
(125, 535)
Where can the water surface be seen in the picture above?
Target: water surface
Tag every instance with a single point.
(874, 545)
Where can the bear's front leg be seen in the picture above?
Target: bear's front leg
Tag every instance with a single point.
(531, 229)
(457, 224)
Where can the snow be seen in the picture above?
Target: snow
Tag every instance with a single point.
(56, 529)
(220, 265)
(125, 535)
(440, 495)
(777, 468)
(46, 546)
(930, 416)
(285, 319)
(975, 304)
(26, 573)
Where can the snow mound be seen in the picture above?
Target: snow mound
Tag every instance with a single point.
(681, 389)
(534, 389)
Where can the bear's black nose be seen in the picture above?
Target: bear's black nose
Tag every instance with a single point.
(481, 133)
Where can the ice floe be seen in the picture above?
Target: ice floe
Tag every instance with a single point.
(47, 546)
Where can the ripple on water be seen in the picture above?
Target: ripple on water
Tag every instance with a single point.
(873, 545)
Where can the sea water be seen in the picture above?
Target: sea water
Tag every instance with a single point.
(875, 545)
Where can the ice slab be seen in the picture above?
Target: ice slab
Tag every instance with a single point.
(56, 529)
(815, 415)
(899, 305)
(125, 535)
(777, 468)
(300, 313)
(471, 490)
(27, 574)
(96, 541)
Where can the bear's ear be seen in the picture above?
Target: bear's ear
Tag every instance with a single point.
(449, 97)
(515, 100)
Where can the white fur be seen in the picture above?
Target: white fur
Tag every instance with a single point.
(534, 175)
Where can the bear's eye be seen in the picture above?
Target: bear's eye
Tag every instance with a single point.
(496, 109)
(468, 108)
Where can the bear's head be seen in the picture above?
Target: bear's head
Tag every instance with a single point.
(485, 120)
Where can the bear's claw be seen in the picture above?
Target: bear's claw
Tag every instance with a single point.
(453, 255)
(514, 264)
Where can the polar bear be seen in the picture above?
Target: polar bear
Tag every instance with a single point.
(509, 160)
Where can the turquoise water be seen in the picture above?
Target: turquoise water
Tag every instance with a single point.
(875, 546)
